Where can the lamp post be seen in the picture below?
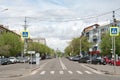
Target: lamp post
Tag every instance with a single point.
(4, 10)
(81, 47)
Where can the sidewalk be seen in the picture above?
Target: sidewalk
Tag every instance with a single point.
(107, 69)
(27, 69)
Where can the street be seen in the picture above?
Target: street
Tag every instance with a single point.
(63, 69)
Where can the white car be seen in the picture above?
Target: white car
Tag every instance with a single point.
(13, 59)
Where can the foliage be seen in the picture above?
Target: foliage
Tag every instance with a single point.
(10, 44)
(106, 44)
(74, 47)
(42, 49)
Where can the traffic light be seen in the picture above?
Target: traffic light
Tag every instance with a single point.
(111, 51)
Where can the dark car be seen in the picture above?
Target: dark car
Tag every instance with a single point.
(98, 60)
(84, 59)
(4, 61)
(75, 58)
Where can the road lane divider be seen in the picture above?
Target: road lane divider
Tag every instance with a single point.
(62, 64)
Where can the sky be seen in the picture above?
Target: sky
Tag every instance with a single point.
(58, 21)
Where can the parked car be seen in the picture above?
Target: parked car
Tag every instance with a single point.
(13, 59)
(117, 62)
(84, 59)
(4, 61)
(75, 58)
(32, 61)
(22, 59)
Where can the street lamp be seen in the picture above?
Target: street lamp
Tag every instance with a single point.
(4, 10)
(81, 48)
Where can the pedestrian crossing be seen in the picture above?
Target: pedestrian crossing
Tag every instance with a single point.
(68, 72)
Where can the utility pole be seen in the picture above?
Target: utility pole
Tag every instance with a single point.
(113, 42)
(25, 39)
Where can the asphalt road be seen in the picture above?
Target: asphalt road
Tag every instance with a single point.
(63, 69)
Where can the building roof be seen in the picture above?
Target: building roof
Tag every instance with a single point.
(90, 27)
(4, 28)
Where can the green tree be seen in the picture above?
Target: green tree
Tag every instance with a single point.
(10, 44)
(42, 49)
(106, 44)
(74, 47)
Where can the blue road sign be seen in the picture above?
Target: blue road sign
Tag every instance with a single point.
(25, 34)
(114, 31)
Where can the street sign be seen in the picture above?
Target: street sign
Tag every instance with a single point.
(37, 55)
(31, 52)
(25, 34)
(114, 31)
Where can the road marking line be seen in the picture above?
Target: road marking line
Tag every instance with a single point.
(42, 73)
(70, 72)
(52, 72)
(63, 65)
(34, 72)
(88, 72)
(61, 72)
(97, 72)
(79, 72)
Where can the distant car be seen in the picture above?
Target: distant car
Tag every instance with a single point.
(13, 59)
(84, 59)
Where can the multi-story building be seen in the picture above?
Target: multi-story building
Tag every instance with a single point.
(95, 32)
(39, 40)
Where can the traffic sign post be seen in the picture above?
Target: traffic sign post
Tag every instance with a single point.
(25, 34)
(37, 58)
(114, 31)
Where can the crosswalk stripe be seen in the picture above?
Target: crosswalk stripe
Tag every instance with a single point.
(61, 72)
(42, 73)
(52, 72)
(88, 72)
(79, 72)
(70, 72)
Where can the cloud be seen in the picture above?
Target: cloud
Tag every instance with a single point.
(56, 20)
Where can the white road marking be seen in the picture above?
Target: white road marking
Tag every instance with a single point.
(62, 64)
(70, 72)
(52, 72)
(88, 72)
(79, 72)
(42, 73)
(34, 72)
(97, 72)
(61, 72)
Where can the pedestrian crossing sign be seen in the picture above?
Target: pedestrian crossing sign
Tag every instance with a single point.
(114, 31)
(25, 34)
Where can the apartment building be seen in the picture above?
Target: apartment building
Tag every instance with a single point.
(38, 40)
(95, 32)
